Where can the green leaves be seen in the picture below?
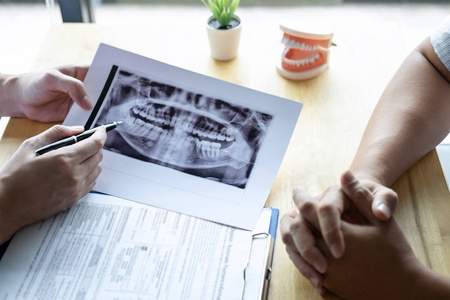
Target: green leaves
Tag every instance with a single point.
(222, 10)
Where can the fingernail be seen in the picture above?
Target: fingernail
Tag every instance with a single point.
(336, 250)
(384, 209)
(314, 281)
(292, 211)
(77, 127)
(319, 266)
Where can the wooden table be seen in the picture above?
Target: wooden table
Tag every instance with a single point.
(337, 105)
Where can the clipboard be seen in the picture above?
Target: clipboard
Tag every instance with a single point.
(258, 272)
(258, 267)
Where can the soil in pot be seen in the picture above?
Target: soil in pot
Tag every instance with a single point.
(216, 25)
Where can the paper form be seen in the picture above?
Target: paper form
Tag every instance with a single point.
(109, 248)
(188, 143)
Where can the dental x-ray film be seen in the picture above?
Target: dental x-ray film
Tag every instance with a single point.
(187, 142)
(183, 129)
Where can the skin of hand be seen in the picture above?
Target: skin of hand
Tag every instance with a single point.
(328, 210)
(33, 188)
(45, 96)
(378, 262)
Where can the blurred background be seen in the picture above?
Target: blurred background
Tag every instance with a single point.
(24, 24)
(105, 11)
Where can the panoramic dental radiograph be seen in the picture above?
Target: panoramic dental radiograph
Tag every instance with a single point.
(183, 130)
(306, 51)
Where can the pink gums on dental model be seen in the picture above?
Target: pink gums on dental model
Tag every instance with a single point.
(306, 54)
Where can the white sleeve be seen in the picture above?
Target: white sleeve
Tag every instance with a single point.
(440, 40)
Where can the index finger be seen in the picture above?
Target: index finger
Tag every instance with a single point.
(90, 146)
(330, 210)
(285, 226)
(306, 206)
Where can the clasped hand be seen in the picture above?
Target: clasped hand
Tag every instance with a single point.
(317, 234)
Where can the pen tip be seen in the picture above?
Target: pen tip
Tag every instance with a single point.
(118, 123)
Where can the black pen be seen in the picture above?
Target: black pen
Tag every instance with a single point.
(75, 138)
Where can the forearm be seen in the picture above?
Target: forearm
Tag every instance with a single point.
(411, 118)
(9, 88)
(430, 285)
(7, 228)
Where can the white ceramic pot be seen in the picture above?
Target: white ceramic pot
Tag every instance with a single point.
(224, 43)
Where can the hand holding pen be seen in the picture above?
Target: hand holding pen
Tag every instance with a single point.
(75, 138)
(33, 188)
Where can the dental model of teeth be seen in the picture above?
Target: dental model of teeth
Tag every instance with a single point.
(306, 51)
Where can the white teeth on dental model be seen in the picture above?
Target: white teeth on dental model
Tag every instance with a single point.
(302, 62)
(296, 45)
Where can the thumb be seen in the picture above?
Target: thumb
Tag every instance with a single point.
(56, 133)
(384, 203)
(359, 195)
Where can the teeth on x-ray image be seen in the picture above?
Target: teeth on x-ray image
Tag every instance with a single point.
(184, 130)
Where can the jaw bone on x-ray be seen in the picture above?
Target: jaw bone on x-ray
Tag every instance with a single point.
(183, 130)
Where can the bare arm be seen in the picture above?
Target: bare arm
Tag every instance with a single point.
(380, 251)
(7, 83)
(411, 118)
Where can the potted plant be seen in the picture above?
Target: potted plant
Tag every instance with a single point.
(224, 28)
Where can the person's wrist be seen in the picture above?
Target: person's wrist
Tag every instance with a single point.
(365, 175)
(428, 284)
(6, 224)
(9, 99)
(5, 231)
